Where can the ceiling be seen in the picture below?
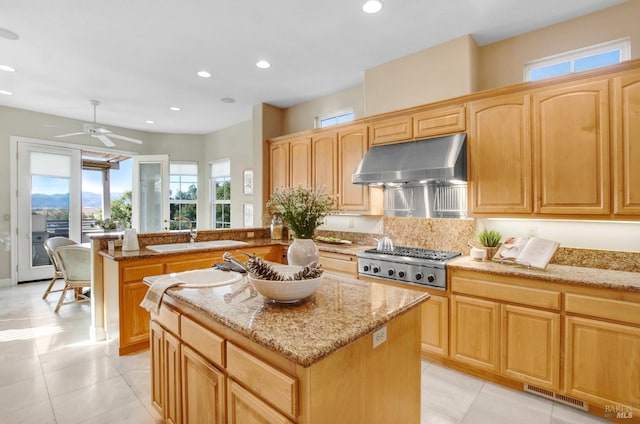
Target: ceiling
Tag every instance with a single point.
(141, 57)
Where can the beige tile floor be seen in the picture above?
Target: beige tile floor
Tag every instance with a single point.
(50, 372)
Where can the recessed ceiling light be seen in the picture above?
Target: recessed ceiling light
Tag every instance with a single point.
(7, 68)
(149, 121)
(175, 108)
(204, 74)
(263, 64)
(9, 35)
(372, 6)
(6, 93)
(227, 100)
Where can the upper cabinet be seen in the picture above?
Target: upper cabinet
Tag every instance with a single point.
(626, 143)
(324, 153)
(300, 152)
(278, 165)
(571, 148)
(391, 130)
(290, 163)
(353, 144)
(499, 145)
(440, 121)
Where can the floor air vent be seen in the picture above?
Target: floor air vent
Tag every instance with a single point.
(557, 397)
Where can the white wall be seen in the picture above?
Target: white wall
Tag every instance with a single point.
(234, 143)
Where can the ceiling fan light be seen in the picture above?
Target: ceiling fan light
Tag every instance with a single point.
(263, 64)
(372, 6)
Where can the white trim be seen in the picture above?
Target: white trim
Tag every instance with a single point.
(5, 282)
(622, 44)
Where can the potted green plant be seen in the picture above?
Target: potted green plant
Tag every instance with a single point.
(490, 240)
(304, 210)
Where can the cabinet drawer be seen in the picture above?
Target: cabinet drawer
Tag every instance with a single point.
(338, 262)
(512, 294)
(136, 273)
(168, 318)
(193, 264)
(612, 309)
(274, 386)
(204, 341)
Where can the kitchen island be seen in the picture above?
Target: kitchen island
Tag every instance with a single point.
(349, 353)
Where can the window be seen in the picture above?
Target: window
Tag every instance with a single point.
(221, 193)
(578, 60)
(335, 118)
(183, 195)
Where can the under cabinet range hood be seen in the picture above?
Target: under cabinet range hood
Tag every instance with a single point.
(415, 162)
(421, 179)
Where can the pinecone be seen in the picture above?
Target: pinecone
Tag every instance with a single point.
(262, 270)
(310, 271)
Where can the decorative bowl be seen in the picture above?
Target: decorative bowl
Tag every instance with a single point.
(286, 291)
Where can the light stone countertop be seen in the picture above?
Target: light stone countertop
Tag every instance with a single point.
(341, 311)
(619, 280)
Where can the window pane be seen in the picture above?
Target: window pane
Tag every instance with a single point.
(189, 211)
(327, 122)
(597, 60)
(223, 188)
(550, 71)
(344, 118)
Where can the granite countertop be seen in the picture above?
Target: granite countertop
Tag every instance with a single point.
(120, 255)
(619, 280)
(341, 311)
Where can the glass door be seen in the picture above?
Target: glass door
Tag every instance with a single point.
(49, 197)
(150, 194)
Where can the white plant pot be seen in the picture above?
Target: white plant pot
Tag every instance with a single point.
(302, 252)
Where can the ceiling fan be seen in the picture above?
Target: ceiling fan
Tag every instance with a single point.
(99, 132)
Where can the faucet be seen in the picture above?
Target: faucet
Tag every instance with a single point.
(193, 232)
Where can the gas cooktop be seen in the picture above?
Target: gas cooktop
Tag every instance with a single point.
(416, 252)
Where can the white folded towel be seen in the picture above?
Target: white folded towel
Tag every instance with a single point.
(153, 298)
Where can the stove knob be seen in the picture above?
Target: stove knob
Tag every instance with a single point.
(376, 270)
(366, 268)
(431, 278)
(419, 276)
(391, 272)
(401, 274)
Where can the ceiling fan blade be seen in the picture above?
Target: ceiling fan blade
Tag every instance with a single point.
(69, 135)
(105, 140)
(121, 137)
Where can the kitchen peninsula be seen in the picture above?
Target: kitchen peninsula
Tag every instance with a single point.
(349, 353)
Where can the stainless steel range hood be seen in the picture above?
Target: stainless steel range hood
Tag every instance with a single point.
(415, 162)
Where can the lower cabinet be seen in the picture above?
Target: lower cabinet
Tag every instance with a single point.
(244, 407)
(203, 389)
(435, 326)
(339, 263)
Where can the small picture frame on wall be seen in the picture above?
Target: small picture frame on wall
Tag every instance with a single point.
(248, 215)
(247, 181)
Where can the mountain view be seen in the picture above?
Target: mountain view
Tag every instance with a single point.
(61, 201)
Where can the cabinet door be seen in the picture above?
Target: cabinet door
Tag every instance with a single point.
(439, 121)
(475, 332)
(500, 155)
(325, 162)
(278, 165)
(191, 264)
(626, 144)
(531, 346)
(300, 162)
(134, 320)
(203, 393)
(435, 326)
(171, 373)
(391, 130)
(244, 407)
(157, 387)
(352, 145)
(571, 149)
(602, 362)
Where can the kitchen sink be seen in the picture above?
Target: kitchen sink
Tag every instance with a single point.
(180, 247)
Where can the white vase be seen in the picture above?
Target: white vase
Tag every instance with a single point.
(302, 252)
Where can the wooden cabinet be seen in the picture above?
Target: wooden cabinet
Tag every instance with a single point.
(244, 407)
(391, 130)
(290, 163)
(497, 326)
(203, 389)
(435, 326)
(278, 165)
(353, 143)
(626, 144)
(475, 332)
(165, 373)
(325, 162)
(571, 148)
(339, 263)
(439, 121)
(499, 144)
(530, 346)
